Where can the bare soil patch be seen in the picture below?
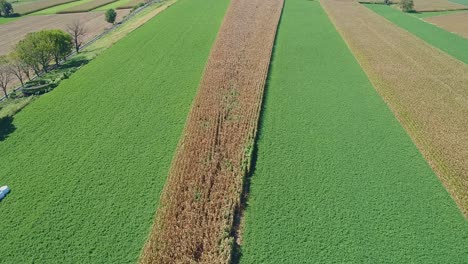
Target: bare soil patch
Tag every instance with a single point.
(195, 219)
(13, 32)
(455, 23)
(27, 8)
(424, 87)
(436, 5)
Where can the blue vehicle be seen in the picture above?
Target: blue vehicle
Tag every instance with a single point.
(3, 191)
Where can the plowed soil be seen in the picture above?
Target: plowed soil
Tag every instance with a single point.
(195, 218)
(424, 87)
(455, 23)
(13, 32)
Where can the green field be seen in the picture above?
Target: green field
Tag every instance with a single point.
(113, 5)
(439, 13)
(55, 9)
(4, 20)
(337, 178)
(86, 162)
(461, 2)
(451, 43)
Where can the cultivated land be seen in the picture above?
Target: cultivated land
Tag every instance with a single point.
(455, 23)
(86, 163)
(13, 32)
(55, 9)
(453, 44)
(426, 89)
(436, 5)
(31, 7)
(87, 6)
(337, 178)
(195, 219)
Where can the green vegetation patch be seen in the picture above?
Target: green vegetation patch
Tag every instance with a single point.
(86, 163)
(461, 2)
(56, 9)
(113, 5)
(438, 13)
(451, 43)
(337, 178)
(4, 20)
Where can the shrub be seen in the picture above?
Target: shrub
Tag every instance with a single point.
(407, 6)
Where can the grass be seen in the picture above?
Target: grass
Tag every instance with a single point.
(4, 20)
(433, 14)
(113, 5)
(451, 43)
(55, 9)
(461, 2)
(133, 23)
(86, 162)
(337, 178)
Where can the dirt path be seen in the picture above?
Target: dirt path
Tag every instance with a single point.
(424, 87)
(195, 218)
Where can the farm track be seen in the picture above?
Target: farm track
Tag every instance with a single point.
(424, 87)
(195, 216)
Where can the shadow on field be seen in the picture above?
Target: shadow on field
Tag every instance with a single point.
(6, 127)
(239, 211)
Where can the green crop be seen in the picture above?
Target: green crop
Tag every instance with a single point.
(451, 43)
(86, 163)
(337, 178)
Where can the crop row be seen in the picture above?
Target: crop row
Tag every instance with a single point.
(35, 6)
(425, 74)
(337, 179)
(196, 213)
(86, 163)
(85, 7)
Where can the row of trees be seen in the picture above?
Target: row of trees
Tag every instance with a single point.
(36, 52)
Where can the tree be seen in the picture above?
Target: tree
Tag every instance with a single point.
(36, 50)
(6, 9)
(18, 67)
(110, 16)
(5, 75)
(77, 31)
(407, 5)
(62, 44)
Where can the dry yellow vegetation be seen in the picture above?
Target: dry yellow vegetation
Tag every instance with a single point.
(424, 87)
(194, 222)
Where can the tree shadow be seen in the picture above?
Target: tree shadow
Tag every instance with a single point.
(236, 253)
(6, 127)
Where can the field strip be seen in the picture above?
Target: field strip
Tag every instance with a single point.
(87, 162)
(58, 8)
(13, 32)
(337, 179)
(28, 8)
(86, 6)
(452, 23)
(453, 44)
(195, 217)
(130, 25)
(425, 88)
